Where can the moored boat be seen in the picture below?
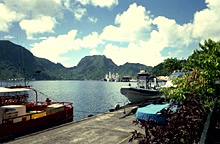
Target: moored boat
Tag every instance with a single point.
(145, 90)
(18, 116)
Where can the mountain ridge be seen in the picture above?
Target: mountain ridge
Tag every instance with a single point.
(16, 61)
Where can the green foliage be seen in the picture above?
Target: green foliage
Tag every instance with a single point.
(190, 83)
(207, 61)
(97, 66)
(7, 70)
(159, 70)
(183, 126)
(168, 66)
(172, 64)
(195, 92)
(205, 64)
(14, 59)
(131, 69)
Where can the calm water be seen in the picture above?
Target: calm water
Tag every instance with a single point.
(88, 97)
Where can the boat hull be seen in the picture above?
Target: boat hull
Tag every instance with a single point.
(12, 130)
(137, 95)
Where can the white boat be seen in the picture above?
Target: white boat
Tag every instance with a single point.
(144, 91)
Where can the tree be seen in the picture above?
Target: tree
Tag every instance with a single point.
(205, 67)
(158, 70)
(172, 64)
(195, 95)
(207, 61)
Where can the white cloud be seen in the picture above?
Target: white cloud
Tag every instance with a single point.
(77, 10)
(8, 37)
(34, 8)
(42, 38)
(92, 19)
(134, 18)
(93, 52)
(34, 16)
(100, 3)
(79, 13)
(167, 33)
(91, 41)
(146, 50)
(171, 33)
(104, 3)
(206, 22)
(139, 52)
(40, 25)
(213, 4)
(131, 25)
(7, 17)
(53, 47)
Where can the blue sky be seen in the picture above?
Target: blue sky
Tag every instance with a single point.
(135, 31)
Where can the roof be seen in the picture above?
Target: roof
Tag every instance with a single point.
(3, 89)
(179, 73)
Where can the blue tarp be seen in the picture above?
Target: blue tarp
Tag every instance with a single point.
(150, 111)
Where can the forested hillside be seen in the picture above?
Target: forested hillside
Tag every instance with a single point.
(18, 62)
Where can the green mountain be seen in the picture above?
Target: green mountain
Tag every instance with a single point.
(52, 71)
(93, 67)
(18, 62)
(131, 69)
(15, 61)
(97, 66)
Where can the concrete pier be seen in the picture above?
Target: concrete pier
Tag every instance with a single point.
(107, 128)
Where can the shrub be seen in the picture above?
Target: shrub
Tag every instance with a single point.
(185, 125)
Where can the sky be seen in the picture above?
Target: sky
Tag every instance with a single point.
(134, 31)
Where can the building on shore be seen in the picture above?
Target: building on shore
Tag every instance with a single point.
(111, 77)
(126, 79)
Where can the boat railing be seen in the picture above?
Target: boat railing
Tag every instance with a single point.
(49, 103)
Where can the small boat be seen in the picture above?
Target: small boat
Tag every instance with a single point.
(19, 117)
(152, 112)
(145, 90)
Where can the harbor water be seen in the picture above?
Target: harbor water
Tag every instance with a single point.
(88, 97)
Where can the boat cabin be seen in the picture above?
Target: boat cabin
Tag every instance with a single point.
(146, 81)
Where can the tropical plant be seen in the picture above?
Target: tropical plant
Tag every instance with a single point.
(172, 64)
(195, 95)
(158, 70)
(207, 62)
(183, 126)
(190, 83)
(206, 66)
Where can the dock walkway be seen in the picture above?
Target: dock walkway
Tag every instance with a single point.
(107, 128)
